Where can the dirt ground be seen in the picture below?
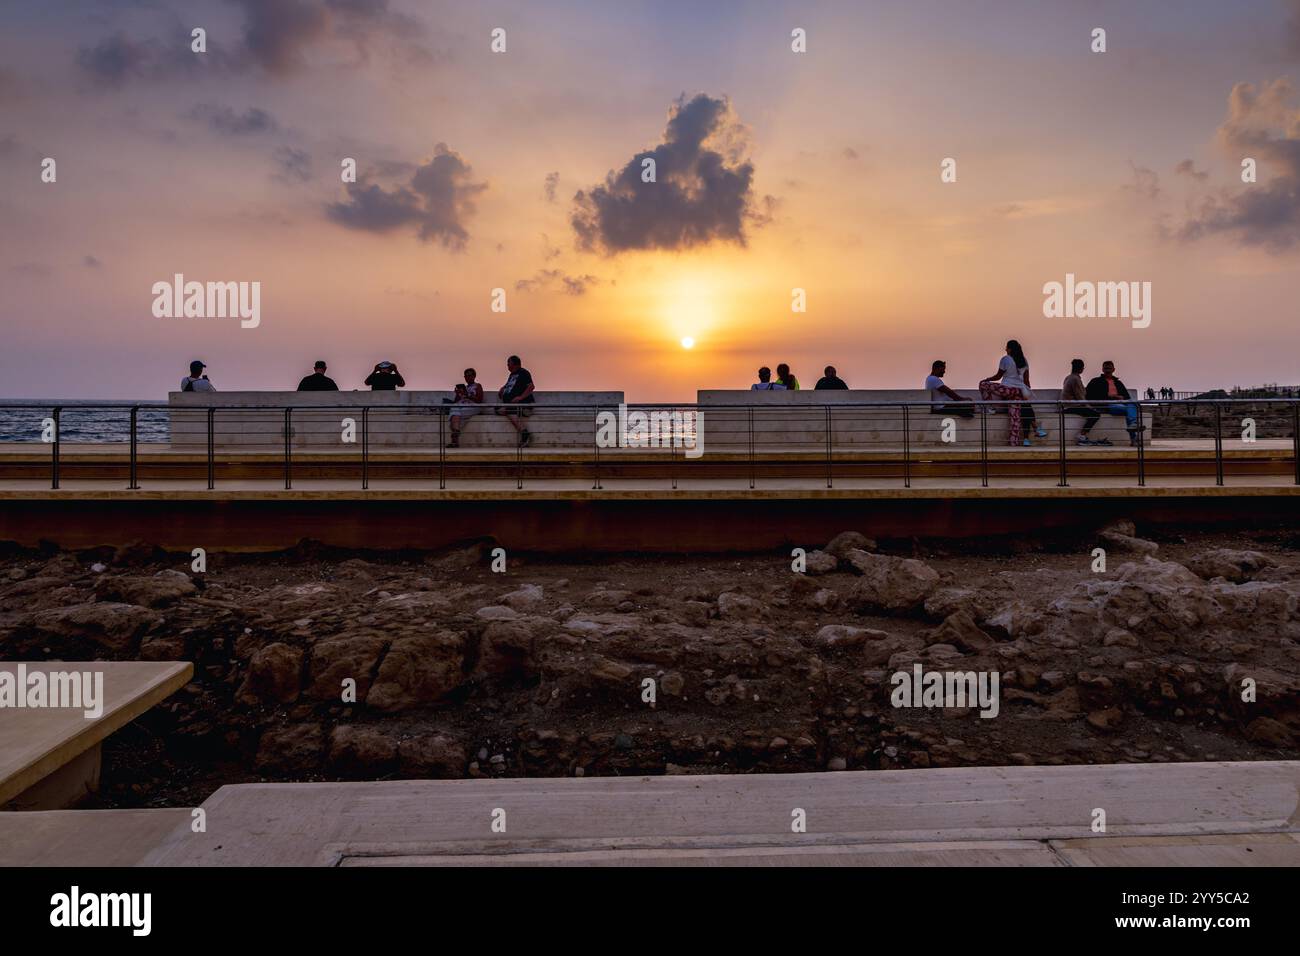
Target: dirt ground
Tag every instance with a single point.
(1186, 647)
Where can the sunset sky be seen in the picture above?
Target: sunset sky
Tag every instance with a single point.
(520, 170)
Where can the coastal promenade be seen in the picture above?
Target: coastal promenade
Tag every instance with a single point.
(752, 476)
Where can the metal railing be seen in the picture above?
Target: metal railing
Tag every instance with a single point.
(753, 440)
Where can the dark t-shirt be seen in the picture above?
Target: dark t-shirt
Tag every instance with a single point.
(830, 381)
(516, 383)
(385, 381)
(317, 382)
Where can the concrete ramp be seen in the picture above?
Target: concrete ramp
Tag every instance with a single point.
(1160, 815)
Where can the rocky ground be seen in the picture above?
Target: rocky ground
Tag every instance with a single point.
(541, 670)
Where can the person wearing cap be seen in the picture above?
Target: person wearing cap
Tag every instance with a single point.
(385, 378)
(317, 381)
(196, 381)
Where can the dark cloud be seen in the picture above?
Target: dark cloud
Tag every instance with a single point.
(277, 32)
(438, 200)
(223, 119)
(850, 152)
(549, 278)
(8, 144)
(118, 59)
(552, 182)
(702, 193)
(91, 262)
(1146, 182)
(294, 164)
(1263, 125)
(277, 37)
(1188, 168)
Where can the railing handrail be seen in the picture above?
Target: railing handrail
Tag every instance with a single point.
(605, 406)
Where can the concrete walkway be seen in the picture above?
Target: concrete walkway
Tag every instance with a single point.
(1210, 814)
(49, 755)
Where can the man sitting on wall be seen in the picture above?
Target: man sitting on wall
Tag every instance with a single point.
(940, 391)
(1114, 399)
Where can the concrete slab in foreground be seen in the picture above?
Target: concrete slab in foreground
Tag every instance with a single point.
(42, 745)
(1158, 815)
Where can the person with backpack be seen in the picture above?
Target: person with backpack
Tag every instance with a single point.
(196, 381)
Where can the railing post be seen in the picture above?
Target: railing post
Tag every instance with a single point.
(672, 451)
(595, 452)
(442, 448)
(519, 457)
(288, 463)
(1218, 443)
(1062, 482)
(1295, 439)
(829, 457)
(984, 445)
(212, 450)
(751, 448)
(134, 483)
(56, 414)
(907, 446)
(365, 447)
(1142, 450)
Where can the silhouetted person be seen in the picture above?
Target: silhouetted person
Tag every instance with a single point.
(1072, 390)
(317, 381)
(518, 390)
(196, 381)
(765, 383)
(786, 377)
(385, 378)
(965, 406)
(829, 380)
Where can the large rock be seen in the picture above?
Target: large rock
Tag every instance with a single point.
(297, 748)
(1255, 604)
(738, 606)
(274, 675)
(891, 584)
(837, 636)
(354, 656)
(432, 756)
(525, 598)
(847, 541)
(1128, 544)
(418, 671)
(820, 562)
(362, 751)
(1159, 598)
(110, 624)
(506, 650)
(156, 590)
(1235, 566)
(960, 630)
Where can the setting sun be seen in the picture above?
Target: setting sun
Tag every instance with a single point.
(688, 343)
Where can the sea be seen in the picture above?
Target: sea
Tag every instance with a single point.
(23, 420)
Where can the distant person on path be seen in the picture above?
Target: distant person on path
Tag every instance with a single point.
(317, 381)
(385, 378)
(1072, 390)
(940, 392)
(518, 390)
(1115, 400)
(830, 380)
(785, 377)
(467, 403)
(1010, 384)
(765, 383)
(196, 381)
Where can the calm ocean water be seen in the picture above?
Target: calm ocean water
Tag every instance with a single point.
(22, 420)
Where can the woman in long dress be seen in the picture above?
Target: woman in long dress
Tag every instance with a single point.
(1010, 384)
